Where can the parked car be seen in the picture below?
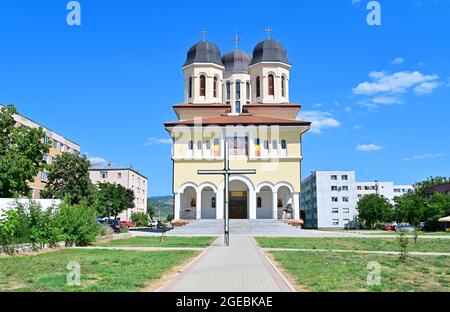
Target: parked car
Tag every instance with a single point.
(153, 223)
(404, 227)
(101, 220)
(389, 227)
(114, 224)
(127, 224)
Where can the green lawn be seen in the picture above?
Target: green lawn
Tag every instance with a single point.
(352, 243)
(101, 270)
(329, 271)
(154, 241)
(380, 232)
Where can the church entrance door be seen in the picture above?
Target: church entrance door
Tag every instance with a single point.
(238, 205)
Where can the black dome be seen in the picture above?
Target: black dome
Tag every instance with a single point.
(236, 61)
(269, 51)
(204, 52)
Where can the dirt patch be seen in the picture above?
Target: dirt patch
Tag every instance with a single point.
(154, 285)
(291, 279)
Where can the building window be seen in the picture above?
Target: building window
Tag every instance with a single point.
(199, 145)
(257, 148)
(208, 148)
(238, 107)
(345, 188)
(283, 84)
(345, 199)
(213, 202)
(104, 174)
(190, 87)
(216, 82)
(202, 85)
(334, 188)
(191, 145)
(345, 210)
(247, 90)
(46, 140)
(258, 86)
(283, 148)
(259, 202)
(193, 202)
(334, 199)
(346, 221)
(216, 147)
(344, 177)
(55, 144)
(228, 90)
(238, 90)
(334, 177)
(119, 175)
(359, 188)
(334, 210)
(270, 80)
(335, 221)
(44, 177)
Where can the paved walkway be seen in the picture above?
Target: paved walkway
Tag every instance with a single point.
(142, 248)
(240, 267)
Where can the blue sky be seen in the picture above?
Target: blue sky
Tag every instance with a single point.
(379, 95)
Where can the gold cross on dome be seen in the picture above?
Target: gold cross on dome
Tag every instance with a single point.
(236, 40)
(268, 30)
(203, 33)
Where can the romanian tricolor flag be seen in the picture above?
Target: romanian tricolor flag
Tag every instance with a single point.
(257, 148)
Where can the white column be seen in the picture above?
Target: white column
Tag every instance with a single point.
(198, 207)
(177, 207)
(274, 205)
(296, 205)
(252, 204)
(219, 204)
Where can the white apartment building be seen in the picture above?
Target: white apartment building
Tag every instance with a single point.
(329, 198)
(130, 179)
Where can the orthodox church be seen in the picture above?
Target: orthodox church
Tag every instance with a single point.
(244, 100)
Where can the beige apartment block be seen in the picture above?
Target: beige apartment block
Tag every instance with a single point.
(127, 177)
(58, 145)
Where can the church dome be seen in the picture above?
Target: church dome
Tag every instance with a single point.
(236, 61)
(269, 50)
(204, 52)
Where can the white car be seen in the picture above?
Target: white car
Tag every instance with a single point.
(153, 223)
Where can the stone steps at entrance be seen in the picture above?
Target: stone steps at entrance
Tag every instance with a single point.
(254, 227)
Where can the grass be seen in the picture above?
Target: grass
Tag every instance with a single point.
(101, 270)
(392, 233)
(328, 271)
(154, 241)
(354, 243)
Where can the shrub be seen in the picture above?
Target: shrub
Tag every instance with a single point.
(403, 242)
(139, 219)
(79, 224)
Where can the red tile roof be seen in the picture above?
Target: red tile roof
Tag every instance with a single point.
(241, 120)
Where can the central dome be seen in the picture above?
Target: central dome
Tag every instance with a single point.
(269, 51)
(204, 52)
(236, 61)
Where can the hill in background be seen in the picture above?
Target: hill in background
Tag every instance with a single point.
(164, 203)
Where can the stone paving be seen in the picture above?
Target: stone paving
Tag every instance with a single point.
(241, 267)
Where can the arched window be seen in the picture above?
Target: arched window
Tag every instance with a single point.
(283, 144)
(238, 90)
(202, 85)
(247, 90)
(216, 83)
(259, 203)
(258, 86)
(213, 202)
(190, 86)
(228, 87)
(270, 81)
(191, 145)
(283, 86)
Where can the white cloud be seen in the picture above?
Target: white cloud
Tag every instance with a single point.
(398, 61)
(426, 87)
(320, 120)
(386, 100)
(317, 105)
(152, 141)
(347, 109)
(368, 148)
(357, 127)
(399, 82)
(98, 161)
(423, 156)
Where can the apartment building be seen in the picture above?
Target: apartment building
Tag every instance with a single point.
(329, 198)
(59, 145)
(127, 177)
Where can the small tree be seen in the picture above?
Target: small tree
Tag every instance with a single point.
(403, 242)
(139, 219)
(410, 208)
(68, 177)
(150, 210)
(164, 230)
(22, 151)
(111, 199)
(374, 208)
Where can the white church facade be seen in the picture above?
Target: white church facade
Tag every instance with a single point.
(244, 100)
